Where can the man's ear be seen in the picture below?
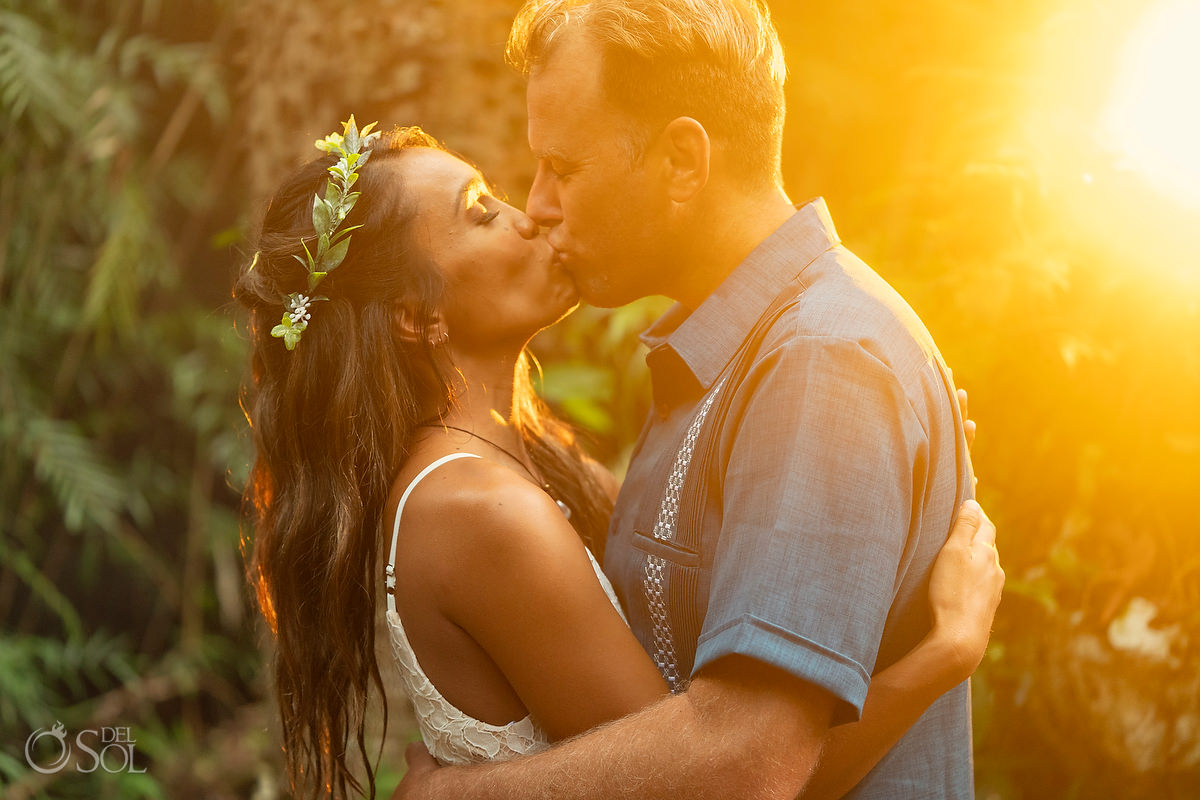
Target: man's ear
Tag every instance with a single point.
(407, 328)
(686, 152)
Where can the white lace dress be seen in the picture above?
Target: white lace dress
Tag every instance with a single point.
(451, 735)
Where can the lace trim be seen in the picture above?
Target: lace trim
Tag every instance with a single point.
(452, 736)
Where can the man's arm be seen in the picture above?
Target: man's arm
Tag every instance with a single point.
(764, 747)
(742, 729)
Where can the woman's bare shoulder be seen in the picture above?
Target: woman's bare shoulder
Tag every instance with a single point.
(474, 513)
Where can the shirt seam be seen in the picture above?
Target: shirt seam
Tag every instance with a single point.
(797, 335)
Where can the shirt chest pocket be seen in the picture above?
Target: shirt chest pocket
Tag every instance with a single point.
(682, 553)
(674, 589)
(670, 549)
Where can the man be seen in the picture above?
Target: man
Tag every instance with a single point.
(841, 461)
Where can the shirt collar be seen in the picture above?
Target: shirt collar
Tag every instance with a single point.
(694, 348)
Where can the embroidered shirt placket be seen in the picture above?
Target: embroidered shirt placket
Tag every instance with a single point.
(654, 572)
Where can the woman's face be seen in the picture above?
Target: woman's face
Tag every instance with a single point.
(502, 282)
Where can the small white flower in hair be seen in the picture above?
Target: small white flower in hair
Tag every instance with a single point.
(299, 310)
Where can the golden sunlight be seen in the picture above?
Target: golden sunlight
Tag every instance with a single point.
(1154, 114)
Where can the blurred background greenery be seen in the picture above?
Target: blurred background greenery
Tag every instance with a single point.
(1023, 172)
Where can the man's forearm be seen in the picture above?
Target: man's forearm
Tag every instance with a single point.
(683, 746)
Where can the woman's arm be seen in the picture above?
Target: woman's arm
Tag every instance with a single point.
(522, 586)
(964, 592)
(744, 729)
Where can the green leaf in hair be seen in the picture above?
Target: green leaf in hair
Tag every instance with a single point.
(352, 148)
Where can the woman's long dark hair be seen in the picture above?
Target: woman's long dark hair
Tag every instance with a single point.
(333, 422)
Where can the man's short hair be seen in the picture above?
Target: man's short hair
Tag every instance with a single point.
(717, 61)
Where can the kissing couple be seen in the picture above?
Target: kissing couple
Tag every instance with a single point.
(789, 590)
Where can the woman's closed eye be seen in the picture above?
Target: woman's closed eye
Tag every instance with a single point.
(485, 210)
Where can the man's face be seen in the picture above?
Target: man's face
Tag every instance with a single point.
(602, 208)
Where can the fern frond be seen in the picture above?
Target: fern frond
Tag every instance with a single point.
(121, 264)
(31, 79)
(42, 675)
(24, 568)
(87, 489)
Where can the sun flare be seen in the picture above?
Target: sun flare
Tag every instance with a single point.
(1154, 114)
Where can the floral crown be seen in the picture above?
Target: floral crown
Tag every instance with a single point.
(351, 146)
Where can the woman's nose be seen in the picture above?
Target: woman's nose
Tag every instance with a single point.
(525, 225)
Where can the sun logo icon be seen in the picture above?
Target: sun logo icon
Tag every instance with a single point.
(57, 732)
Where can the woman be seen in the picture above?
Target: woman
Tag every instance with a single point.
(396, 422)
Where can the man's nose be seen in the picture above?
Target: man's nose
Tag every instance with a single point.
(543, 205)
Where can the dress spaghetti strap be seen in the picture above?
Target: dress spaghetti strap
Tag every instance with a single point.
(452, 735)
(391, 563)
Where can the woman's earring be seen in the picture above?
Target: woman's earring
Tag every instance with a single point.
(438, 339)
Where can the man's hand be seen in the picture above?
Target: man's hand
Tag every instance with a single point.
(421, 768)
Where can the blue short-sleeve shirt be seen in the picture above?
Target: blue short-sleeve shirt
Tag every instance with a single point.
(839, 469)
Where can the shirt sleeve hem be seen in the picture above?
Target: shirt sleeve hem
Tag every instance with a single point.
(764, 641)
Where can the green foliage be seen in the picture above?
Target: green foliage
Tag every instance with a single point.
(39, 673)
(117, 387)
(594, 374)
(327, 215)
